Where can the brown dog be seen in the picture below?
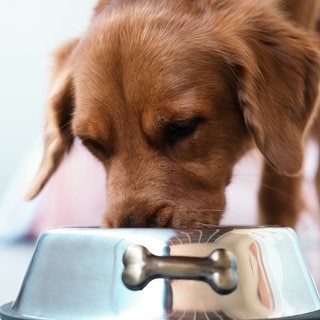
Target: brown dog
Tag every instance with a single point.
(169, 95)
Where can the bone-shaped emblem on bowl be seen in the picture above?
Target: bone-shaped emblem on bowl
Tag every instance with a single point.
(218, 269)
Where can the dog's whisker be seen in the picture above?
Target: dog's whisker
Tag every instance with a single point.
(207, 210)
(279, 191)
(206, 225)
(240, 178)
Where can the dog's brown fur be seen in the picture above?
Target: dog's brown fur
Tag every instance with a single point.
(169, 95)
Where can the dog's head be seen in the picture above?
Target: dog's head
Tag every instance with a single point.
(168, 95)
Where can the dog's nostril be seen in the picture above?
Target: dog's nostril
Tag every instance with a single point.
(142, 220)
(129, 220)
(160, 216)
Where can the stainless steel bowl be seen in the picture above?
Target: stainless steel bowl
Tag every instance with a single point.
(221, 273)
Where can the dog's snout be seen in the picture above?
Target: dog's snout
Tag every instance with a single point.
(145, 220)
(129, 220)
(143, 216)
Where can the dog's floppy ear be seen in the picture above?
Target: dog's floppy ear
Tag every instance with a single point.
(58, 137)
(277, 89)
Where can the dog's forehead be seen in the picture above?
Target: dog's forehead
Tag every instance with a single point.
(142, 74)
(129, 66)
(143, 49)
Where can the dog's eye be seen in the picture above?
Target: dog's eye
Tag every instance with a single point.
(182, 129)
(93, 146)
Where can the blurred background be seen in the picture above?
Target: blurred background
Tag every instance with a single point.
(29, 32)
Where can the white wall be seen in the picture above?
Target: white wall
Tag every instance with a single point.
(29, 32)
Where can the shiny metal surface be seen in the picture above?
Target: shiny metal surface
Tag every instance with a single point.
(77, 273)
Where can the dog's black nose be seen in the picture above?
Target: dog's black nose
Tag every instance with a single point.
(142, 217)
(130, 221)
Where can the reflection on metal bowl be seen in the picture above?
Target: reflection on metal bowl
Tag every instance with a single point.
(220, 273)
